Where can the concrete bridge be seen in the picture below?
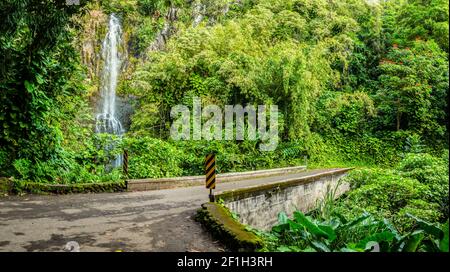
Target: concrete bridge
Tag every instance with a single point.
(155, 220)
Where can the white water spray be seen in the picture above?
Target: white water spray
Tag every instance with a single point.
(106, 120)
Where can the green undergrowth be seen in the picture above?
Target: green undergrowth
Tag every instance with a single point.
(404, 208)
(418, 185)
(364, 233)
(20, 187)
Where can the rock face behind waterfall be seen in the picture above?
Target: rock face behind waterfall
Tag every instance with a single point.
(167, 30)
(94, 24)
(199, 11)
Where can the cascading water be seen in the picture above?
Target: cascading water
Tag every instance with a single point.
(106, 119)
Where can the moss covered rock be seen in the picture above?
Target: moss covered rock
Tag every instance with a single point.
(218, 220)
(5, 186)
(34, 187)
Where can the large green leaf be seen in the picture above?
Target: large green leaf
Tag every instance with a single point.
(429, 228)
(430, 245)
(282, 218)
(413, 241)
(328, 230)
(391, 228)
(283, 224)
(341, 218)
(320, 246)
(356, 221)
(294, 225)
(353, 247)
(280, 228)
(310, 226)
(309, 249)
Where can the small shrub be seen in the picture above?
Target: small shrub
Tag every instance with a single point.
(431, 171)
(23, 168)
(386, 195)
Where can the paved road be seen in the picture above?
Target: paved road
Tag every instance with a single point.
(133, 221)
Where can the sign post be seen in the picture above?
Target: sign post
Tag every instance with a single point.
(125, 162)
(210, 172)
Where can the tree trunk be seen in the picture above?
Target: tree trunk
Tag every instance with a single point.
(399, 117)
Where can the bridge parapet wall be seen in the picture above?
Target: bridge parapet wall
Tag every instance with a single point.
(259, 206)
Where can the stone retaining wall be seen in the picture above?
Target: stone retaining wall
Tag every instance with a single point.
(259, 206)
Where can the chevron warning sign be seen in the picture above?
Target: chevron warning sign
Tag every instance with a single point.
(210, 171)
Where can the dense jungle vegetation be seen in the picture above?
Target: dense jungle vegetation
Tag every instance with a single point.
(404, 209)
(357, 83)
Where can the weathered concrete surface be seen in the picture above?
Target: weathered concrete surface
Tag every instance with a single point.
(133, 221)
(169, 183)
(259, 206)
(156, 221)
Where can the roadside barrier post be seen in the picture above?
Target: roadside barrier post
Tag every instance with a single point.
(125, 162)
(210, 172)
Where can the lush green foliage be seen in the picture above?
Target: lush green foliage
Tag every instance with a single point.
(88, 165)
(362, 234)
(45, 118)
(351, 86)
(270, 55)
(38, 63)
(150, 157)
(390, 207)
(413, 89)
(355, 84)
(419, 186)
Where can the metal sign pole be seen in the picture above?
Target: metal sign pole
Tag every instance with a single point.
(125, 163)
(210, 172)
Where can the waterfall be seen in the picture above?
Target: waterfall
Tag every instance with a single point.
(106, 119)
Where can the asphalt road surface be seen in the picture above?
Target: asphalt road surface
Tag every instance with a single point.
(133, 221)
